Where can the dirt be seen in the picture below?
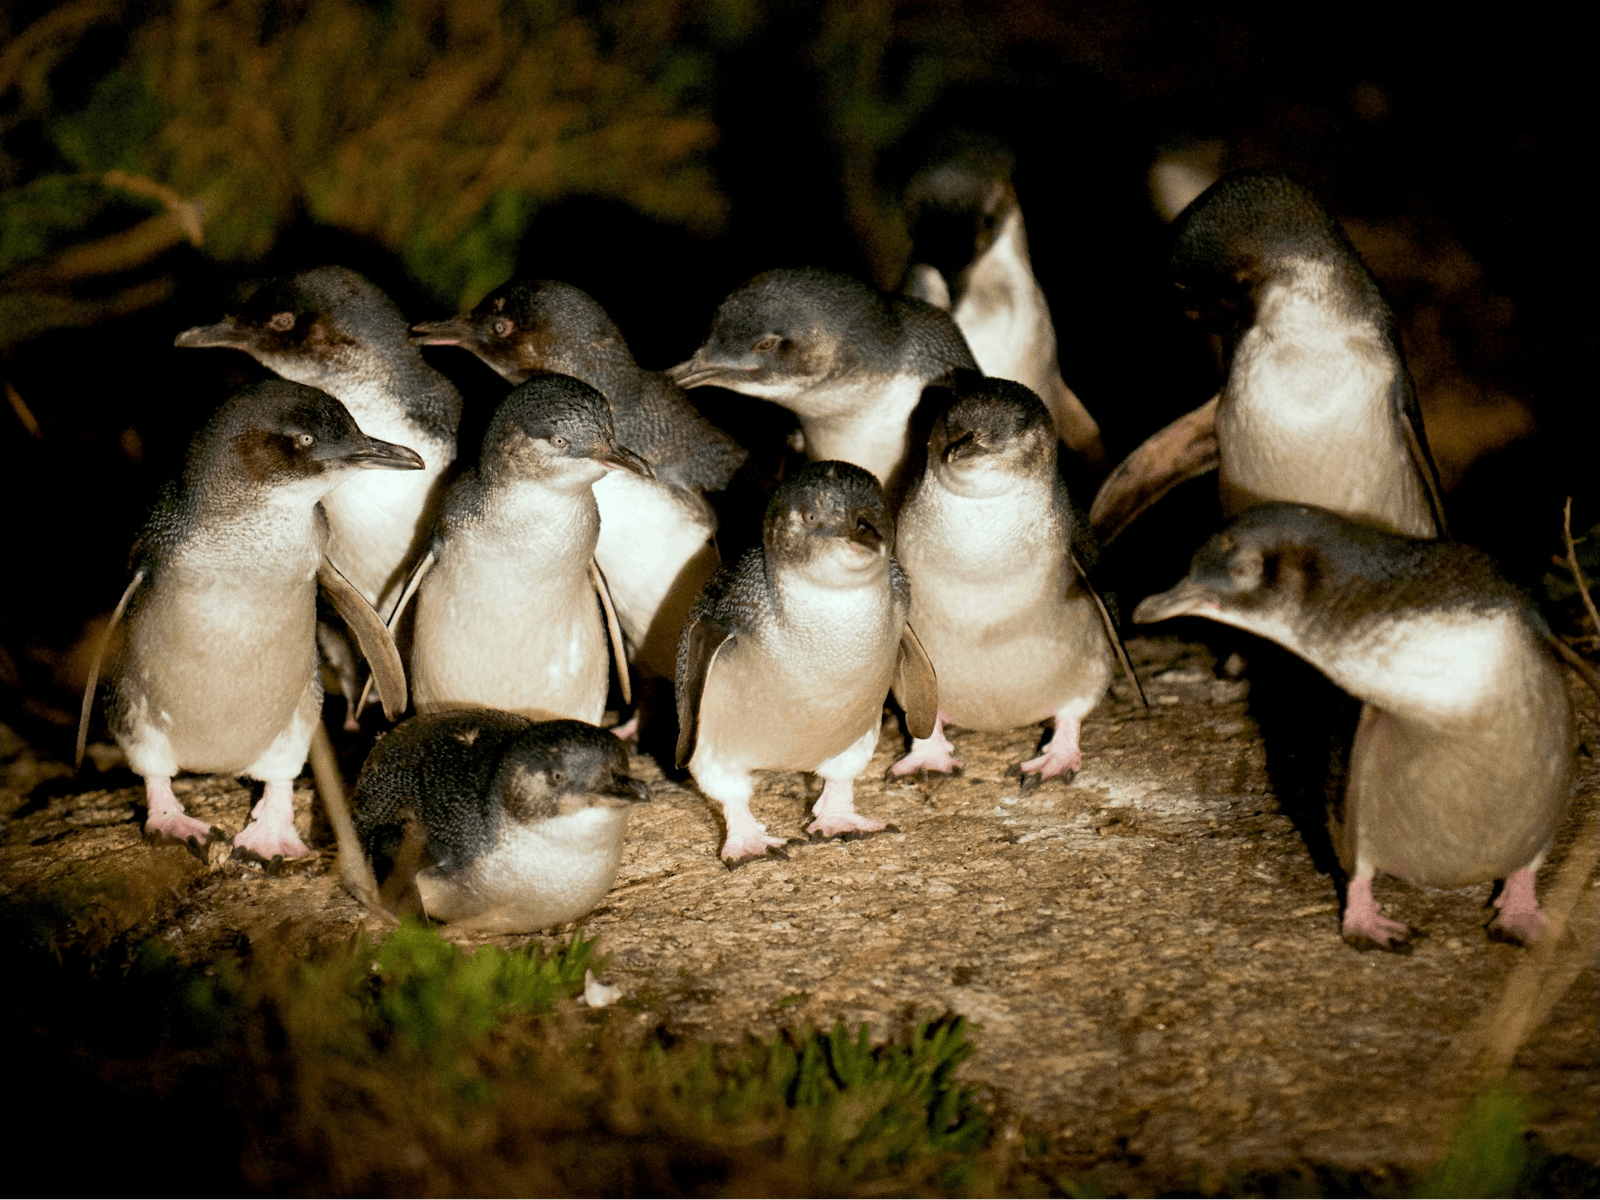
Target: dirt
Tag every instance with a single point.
(1151, 959)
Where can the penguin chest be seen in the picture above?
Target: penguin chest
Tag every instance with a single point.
(792, 698)
(495, 631)
(214, 668)
(534, 876)
(654, 545)
(1450, 798)
(1308, 418)
(374, 522)
(1012, 636)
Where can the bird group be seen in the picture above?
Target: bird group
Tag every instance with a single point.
(928, 551)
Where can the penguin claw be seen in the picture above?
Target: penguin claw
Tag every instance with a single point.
(1403, 944)
(1029, 781)
(1520, 929)
(181, 827)
(753, 848)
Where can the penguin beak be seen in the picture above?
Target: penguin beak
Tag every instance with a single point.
(457, 331)
(865, 533)
(620, 458)
(624, 792)
(965, 446)
(370, 452)
(696, 372)
(1188, 597)
(225, 332)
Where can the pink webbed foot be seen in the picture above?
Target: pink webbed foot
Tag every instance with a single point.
(628, 730)
(1366, 928)
(1061, 757)
(932, 753)
(167, 818)
(835, 816)
(749, 845)
(271, 833)
(1520, 921)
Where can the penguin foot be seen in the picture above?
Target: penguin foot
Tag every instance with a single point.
(1520, 921)
(752, 845)
(181, 827)
(846, 826)
(1366, 928)
(1061, 758)
(932, 753)
(628, 730)
(271, 833)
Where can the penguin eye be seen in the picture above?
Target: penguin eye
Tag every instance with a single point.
(559, 442)
(767, 344)
(282, 322)
(811, 518)
(557, 778)
(304, 440)
(501, 326)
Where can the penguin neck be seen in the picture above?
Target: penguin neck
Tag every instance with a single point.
(391, 391)
(866, 421)
(549, 520)
(1311, 301)
(253, 528)
(814, 604)
(999, 278)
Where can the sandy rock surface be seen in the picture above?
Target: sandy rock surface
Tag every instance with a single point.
(1152, 961)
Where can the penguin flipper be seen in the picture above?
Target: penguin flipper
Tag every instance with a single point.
(377, 643)
(613, 628)
(1421, 456)
(1110, 625)
(925, 283)
(94, 667)
(916, 686)
(1185, 449)
(355, 872)
(704, 637)
(1077, 426)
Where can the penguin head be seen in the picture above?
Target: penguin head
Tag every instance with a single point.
(521, 328)
(1246, 231)
(282, 436)
(562, 768)
(991, 433)
(787, 331)
(308, 326)
(831, 522)
(956, 209)
(556, 429)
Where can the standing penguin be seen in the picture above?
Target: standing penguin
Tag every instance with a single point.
(850, 363)
(1463, 761)
(507, 611)
(329, 328)
(1318, 407)
(788, 656)
(998, 594)
(969, 256)
(656, 545)
(489, 821)
(215, 667)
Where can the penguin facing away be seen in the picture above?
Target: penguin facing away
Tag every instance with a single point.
(511, 611)
(850, 363)
(999, 598)
(214, 665)
(489, 821)
(788, 656)
(330, 328)
(657, 534)
(1463, 764)
(1318, 406)
(970, 257)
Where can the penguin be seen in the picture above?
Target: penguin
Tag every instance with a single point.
(850, 363)
(657, 542)
(330, 328)
(1318, 406)
(211, 655)
(788, 657)
(999, 597)
(507, 609)
(969, 256)
(548, 327)
(488, 821)
(1463, 764)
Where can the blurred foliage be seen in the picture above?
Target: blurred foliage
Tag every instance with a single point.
(435, 128)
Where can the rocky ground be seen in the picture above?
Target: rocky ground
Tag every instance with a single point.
(1151, 959)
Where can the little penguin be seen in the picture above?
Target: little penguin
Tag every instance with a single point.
(489, 821)
(657, 535)
(850, 363)
(1318, 406)
(330, 328)
(969, 256)
(1463, 763)
(214, 668)
(999, 598)
(507, 612)
(788, 657)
